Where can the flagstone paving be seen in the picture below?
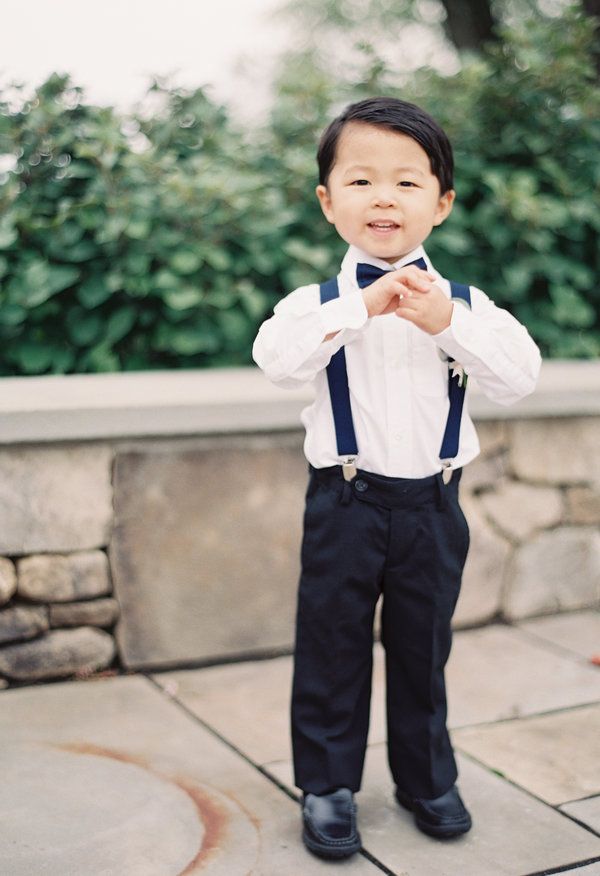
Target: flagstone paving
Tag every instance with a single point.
(189, 771)
(589, 870)
(576, 631)
(555, 756)
(513, 833)
(493, 673)
(586, 811)
(111, 778)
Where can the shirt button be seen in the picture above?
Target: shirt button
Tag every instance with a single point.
(398, 436)
(361, 486)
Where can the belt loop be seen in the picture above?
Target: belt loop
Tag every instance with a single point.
(346, 494)
(441, 491)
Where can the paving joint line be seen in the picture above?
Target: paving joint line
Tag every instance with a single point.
(529, 793)
(564, 868)
(530, 716)
(555, 647)
(267, 775)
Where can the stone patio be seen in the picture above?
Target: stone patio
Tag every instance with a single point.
(189, 771)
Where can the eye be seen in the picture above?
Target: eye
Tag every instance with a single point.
(360, 182)
(406, 183)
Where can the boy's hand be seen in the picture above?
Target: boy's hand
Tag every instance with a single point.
(410, 294)
(385, 294)
(428, 309)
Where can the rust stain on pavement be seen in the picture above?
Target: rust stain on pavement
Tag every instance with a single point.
(211, 813)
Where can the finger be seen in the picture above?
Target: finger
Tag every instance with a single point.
(402, 290)
(419, 272)
(418, 283)
(412, 299)
(411, 313)
(414, 275)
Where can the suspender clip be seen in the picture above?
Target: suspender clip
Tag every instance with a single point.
(446, 470)
(349, 468)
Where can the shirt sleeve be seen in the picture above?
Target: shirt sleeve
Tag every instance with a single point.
(290, 346)
(494, 347)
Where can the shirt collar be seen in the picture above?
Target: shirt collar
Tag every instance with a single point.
(354, 255)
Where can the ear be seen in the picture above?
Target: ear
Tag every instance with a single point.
(444, 206)
(325, 202)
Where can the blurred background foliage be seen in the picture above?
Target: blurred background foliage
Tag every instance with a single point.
(162, 239)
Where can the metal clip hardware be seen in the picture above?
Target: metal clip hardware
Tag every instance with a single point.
(349, 468)
(446, 471)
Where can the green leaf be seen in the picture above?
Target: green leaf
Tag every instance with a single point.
(119, 324)
(12, 314)
(188, 341)
(8, 233)
(84, 328)
(93, 292)
(570, 308)
(183, 298)
(185, 261)
(39, 281)
(218, 259)
(254, 301)
(33, 357)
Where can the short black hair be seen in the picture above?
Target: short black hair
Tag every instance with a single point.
(396, 115)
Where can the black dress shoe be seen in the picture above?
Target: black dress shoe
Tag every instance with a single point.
(441, 817)
(330, 824)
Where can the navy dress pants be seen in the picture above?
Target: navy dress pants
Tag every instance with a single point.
(405, 540)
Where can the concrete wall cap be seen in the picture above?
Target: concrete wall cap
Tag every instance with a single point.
(227, 400)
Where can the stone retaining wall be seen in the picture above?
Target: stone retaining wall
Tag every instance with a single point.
(164, 542)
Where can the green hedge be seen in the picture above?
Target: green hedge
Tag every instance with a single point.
(163, 239)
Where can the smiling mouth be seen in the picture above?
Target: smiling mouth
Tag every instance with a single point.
(383, 226)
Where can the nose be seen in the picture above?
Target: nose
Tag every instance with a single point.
(384, 196)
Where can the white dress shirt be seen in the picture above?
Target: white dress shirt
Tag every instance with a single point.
(397, 378)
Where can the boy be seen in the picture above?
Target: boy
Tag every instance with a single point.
(382, 513)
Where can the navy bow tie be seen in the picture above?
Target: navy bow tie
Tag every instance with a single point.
(367, 274)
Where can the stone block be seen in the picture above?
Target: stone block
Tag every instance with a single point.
(489, 553)
(518, 510)
(558, 570)
(54, 499)
(493, 436)
(556, 450)
(58, 653)
(484, 473)
(22, 622)
(583, 506)
(93, 613)
(63, 577)
(556, 757)
(8, 579)
(205, 552)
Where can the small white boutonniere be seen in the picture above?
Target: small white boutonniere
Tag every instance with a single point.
(457, 368)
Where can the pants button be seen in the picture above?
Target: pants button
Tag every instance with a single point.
(361, 486)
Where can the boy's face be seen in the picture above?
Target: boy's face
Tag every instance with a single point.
(381, 194)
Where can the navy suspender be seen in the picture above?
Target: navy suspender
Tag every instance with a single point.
(337, 378)
(456, 392)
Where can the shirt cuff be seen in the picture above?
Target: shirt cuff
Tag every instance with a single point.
(347, 311)
(461, 336)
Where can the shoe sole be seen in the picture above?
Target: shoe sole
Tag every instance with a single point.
(437, 830)
(326, 851)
